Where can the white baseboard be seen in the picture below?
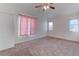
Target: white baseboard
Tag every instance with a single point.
(4, 48)
(32, 37)
(65, 38)
(38, 36)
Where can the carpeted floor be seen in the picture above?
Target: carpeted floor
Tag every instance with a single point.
(44, 47)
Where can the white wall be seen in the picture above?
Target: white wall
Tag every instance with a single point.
(61, 28)
(6, 31)
(8, 24)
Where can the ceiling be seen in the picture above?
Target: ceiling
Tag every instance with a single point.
(60, 8)
(67, 8)
(64, 9)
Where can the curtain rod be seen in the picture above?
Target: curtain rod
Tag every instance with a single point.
(27, 15)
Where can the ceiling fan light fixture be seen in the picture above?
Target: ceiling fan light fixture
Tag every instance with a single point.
(45, 8)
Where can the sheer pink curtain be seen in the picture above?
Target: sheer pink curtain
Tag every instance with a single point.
(23, 25)
(33, 25)
(27, 25)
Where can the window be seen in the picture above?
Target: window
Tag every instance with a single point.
(73, 25)
(23, 25)
(33, 25)
(27, 25)
(50, 25)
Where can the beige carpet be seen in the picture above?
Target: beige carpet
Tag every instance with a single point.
(44, 47)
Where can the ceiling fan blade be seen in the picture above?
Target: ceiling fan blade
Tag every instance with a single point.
(50, 3)
(52, 7)
(38, 6)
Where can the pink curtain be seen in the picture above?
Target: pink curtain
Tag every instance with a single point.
(33, 25)
(23, 25)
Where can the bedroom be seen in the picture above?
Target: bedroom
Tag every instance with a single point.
(56, 30)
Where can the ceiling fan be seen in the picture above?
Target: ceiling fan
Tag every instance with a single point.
(45, 6)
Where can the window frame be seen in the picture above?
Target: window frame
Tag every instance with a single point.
(50, 26)
(74, 25)
(29, 27)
